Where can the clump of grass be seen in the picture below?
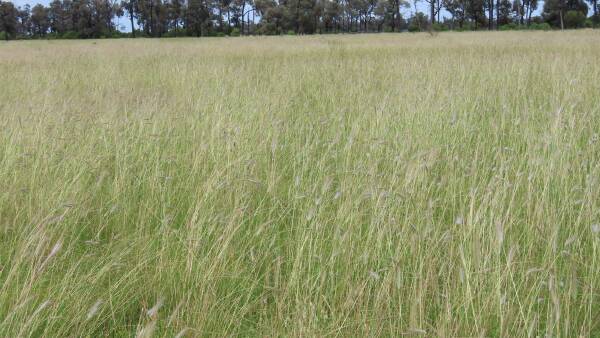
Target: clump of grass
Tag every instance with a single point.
(310, 186)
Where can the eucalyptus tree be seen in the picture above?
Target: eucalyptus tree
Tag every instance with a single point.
(8, 20)
(40, 21)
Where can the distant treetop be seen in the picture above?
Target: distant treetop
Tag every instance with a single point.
(71, 19)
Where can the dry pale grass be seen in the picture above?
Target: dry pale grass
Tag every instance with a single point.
(301, 186)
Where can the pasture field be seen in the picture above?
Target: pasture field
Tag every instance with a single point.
(356, 185)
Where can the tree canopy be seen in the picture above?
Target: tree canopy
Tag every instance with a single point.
(161, 18)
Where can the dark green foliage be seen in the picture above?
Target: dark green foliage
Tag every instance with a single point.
(197, 18)
(70, 35)
(8, 20)
(39, 20)
(74, 19)
(565, 13)
(544, 26)
(418, 23)
(439, 27)
(503, 13)
(574, 19)
(509, 27)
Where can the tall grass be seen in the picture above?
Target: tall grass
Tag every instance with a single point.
(301, 186)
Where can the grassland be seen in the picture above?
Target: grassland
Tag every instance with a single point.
(372, 185)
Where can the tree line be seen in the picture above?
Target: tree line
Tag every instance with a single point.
(165, 18)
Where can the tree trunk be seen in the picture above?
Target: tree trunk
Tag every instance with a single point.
(131, 19)
(497, 13)
(562, 24)
(395, 27)
(152, 18)
(243, 9)
(228, 20)
(297, 15)
(491, 15)
(521, 20)
(220, 17)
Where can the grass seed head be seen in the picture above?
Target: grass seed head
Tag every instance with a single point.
(148, 330)
(181, 333)
(153, 312)
(94, 309)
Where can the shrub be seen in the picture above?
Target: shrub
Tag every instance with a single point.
(169, 34)
(439, 27)
(235, 32)
(268, 28)
(508, 27)
(589, 23)
(540, 26)
(70, 35)
(291, 32)
(467, 26)
(574, 19)
(3, 35)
